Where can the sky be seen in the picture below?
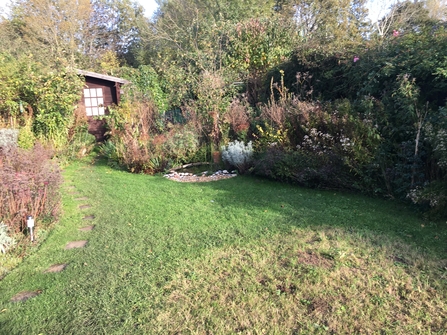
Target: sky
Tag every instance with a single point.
(376, 8)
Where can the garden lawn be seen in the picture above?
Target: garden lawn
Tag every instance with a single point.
(241, 255)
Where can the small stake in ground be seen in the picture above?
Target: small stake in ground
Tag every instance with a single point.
(30, 224)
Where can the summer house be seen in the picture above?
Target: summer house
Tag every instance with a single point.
(100, 92)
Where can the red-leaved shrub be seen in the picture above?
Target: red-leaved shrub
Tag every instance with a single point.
(29, 185)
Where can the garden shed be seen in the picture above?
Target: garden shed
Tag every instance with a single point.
(100, 92)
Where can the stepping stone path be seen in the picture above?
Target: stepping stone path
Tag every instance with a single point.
(76, 244)
(87, 228)
(25, 295)
(55, 268)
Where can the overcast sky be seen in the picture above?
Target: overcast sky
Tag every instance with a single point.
(376, 8)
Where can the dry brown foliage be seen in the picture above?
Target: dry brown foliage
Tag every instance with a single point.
(29, 185)
(238, 116)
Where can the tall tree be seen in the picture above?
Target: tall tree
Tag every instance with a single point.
(78, 31)
(54, 25)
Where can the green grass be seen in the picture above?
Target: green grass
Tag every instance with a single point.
(241, 255)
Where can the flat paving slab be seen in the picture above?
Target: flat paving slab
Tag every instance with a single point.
(87, 228)
(25, 295)
(88, 217)
(81, 198)
(76, 244)
(85, 206)
(56, 268)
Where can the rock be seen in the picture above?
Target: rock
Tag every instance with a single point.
(23, 296)
(76, 244)
(55, 268)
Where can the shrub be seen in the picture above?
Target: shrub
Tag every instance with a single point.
(29, 185)
(80, 145)
(8, 137)
(238, 117)
(305, 168)
(432, 196)
(181, 144)
(238, 154)
(6, 242)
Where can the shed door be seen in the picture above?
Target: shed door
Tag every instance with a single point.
(94, 101)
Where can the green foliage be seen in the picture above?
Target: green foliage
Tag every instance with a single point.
(55, 104)
(149, 85)
(256, 45)
(306, 168)
(81, 144)
(432, 197)
(27, 138)
(182, 144)
(37, 98)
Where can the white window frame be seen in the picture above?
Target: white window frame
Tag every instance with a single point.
(94, 101)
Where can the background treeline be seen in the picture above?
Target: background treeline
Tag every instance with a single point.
(327, 98)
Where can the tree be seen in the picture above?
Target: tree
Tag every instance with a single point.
(78, 32)
(410, 15)
(54, 25)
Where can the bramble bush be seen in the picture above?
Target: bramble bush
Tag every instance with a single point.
(29, 185)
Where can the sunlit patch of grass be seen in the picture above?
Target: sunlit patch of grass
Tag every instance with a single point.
(329, 281)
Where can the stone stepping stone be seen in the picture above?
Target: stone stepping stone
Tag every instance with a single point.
(81, 198)
(87, 228)
(25, 295)
(88, 217)
(71, 187)
(76, 244)
(55, 268)
(85, 206)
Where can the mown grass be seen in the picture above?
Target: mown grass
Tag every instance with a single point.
(242, 255)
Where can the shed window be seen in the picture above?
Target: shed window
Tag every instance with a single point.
(94, 101)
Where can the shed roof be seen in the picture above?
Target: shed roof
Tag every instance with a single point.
(102, 76)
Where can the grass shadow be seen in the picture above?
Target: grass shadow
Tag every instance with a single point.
(294, 206)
